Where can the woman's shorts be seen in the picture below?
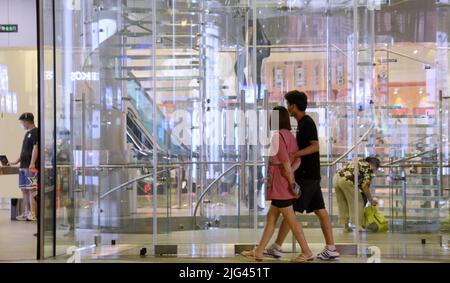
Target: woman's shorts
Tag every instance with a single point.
(282, 203)
(27, 179)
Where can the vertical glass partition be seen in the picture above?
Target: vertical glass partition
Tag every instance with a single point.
(47, 123)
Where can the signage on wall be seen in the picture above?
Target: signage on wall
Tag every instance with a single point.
(382, 74)
(9, 28)
(317, 74)
(300, 76)
(340, 75)
(76, 76)
(278, 76)
(84, 76)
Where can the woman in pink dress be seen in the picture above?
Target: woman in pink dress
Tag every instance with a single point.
(281, 189)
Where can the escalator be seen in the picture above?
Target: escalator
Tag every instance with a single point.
(140, 126)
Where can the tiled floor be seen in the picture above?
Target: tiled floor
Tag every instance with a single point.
(16, 239)
(17, 244)
(192, 248)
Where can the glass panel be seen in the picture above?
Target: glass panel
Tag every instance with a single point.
(47, 128)
(90, 109)
(408, 127)
(197, 90)
(442, 80)
(157, 103)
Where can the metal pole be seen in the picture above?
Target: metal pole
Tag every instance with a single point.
(155, 125)
(42, 115)
(256, 96)
(355, 119)
(404, 199)
(83, 143)
(243, 164)
(391, 200)
(441, 144)
(202, 71)
(327, 114)
(190, 188)
(179, 187)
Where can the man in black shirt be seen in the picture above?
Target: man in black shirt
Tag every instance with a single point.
(307, 176)
(28, 161)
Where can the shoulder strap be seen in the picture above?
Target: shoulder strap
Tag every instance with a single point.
(285, 143)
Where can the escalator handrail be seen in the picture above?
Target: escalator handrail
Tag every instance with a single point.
(141, 127)
(147, 96)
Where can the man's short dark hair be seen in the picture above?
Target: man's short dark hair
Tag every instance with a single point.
(297, 98)
(27, 117)
(374, 160)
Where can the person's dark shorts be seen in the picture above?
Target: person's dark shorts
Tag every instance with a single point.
(282, 203)
(27, 179)
(311, 198)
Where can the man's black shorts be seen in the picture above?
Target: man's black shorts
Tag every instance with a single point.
(311, 198)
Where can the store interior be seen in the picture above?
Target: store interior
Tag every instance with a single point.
(18, 94)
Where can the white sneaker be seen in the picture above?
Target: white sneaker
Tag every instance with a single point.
(31, 217)
(274, 251)
(328, 254)
(22, 217)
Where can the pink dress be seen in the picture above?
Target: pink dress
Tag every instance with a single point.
(278, 185)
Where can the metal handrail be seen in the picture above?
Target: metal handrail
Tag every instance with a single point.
(171, 167)
(132, 182)
(408, 158)
(146, 165)
(176, 165)
(200, 200)
(232, 167)
(408, 57)
(360, 141)
(424, 138)
(422, 165)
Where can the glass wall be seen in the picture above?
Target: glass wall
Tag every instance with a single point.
(158, 133)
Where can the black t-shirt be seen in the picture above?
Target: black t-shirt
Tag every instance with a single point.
(29, 141)
(310, 167)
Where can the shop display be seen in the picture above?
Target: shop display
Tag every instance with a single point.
(340, 75)
(278, 75)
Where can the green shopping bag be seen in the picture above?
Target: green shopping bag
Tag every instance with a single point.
(375, 221)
